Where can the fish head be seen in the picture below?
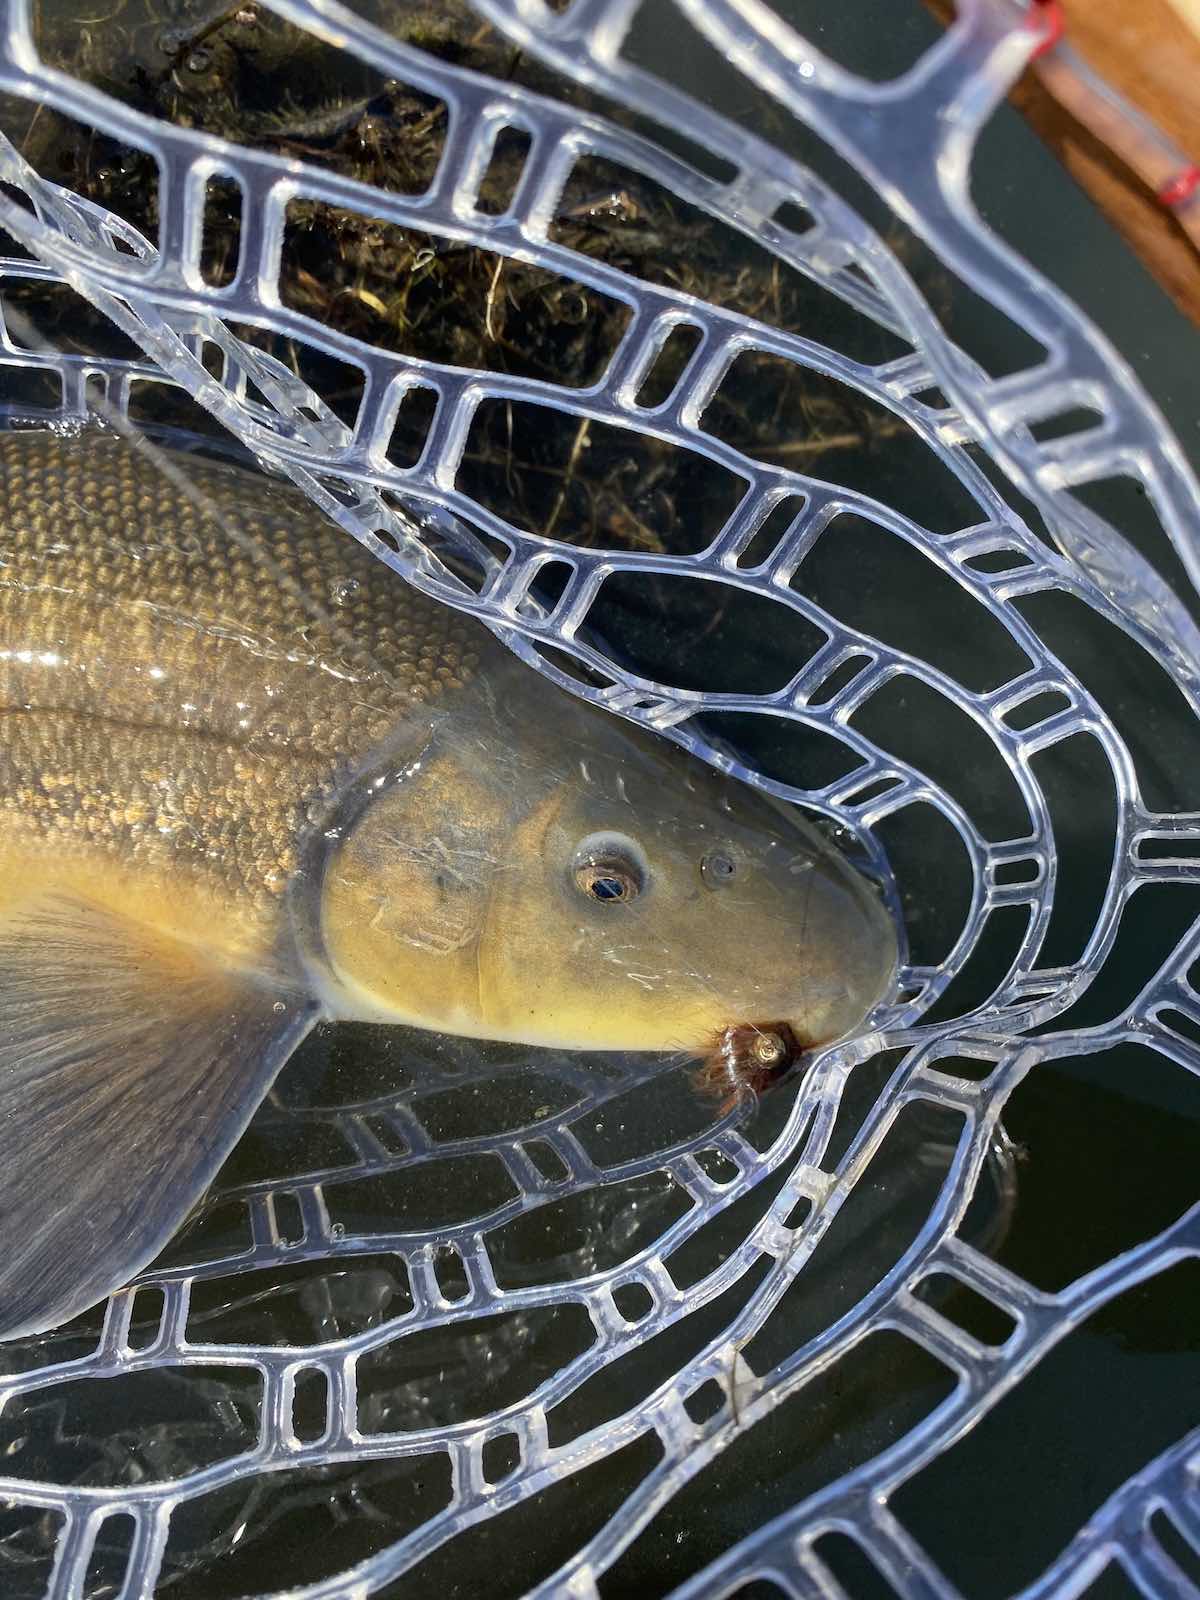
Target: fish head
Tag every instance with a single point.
(561, 877)
(651, 902)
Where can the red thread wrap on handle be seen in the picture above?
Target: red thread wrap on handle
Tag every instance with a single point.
(1045, 17)
(1180, 188)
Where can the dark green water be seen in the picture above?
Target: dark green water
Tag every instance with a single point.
(1109, 1143)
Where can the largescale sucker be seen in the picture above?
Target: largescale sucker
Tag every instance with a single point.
(249, 778)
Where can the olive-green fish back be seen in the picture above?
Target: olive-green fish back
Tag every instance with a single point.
(180, 695)
(183, 688)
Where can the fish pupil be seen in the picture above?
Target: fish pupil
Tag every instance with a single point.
(607, 889)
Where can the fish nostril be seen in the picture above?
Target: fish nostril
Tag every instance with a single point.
(718, 868)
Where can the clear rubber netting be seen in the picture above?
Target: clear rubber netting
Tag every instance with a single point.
(369, 1325)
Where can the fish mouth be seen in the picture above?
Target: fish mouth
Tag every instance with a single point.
(740, 1062)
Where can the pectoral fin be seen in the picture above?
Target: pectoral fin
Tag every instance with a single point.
(129, 1065)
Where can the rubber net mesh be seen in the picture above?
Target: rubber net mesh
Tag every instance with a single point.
(361, 1328)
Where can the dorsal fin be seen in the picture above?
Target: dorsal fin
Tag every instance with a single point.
(130, 1062)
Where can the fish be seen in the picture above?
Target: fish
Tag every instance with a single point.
(250, 779)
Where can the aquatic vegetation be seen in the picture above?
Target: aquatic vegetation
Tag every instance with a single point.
(245, 74)
(796, 1296)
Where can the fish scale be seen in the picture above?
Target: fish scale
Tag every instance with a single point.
(111, 574)
(250, 778)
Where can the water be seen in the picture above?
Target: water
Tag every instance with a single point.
(1050, 1209)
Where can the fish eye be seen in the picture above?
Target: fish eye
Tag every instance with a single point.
(717, 868)
(609, 868)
